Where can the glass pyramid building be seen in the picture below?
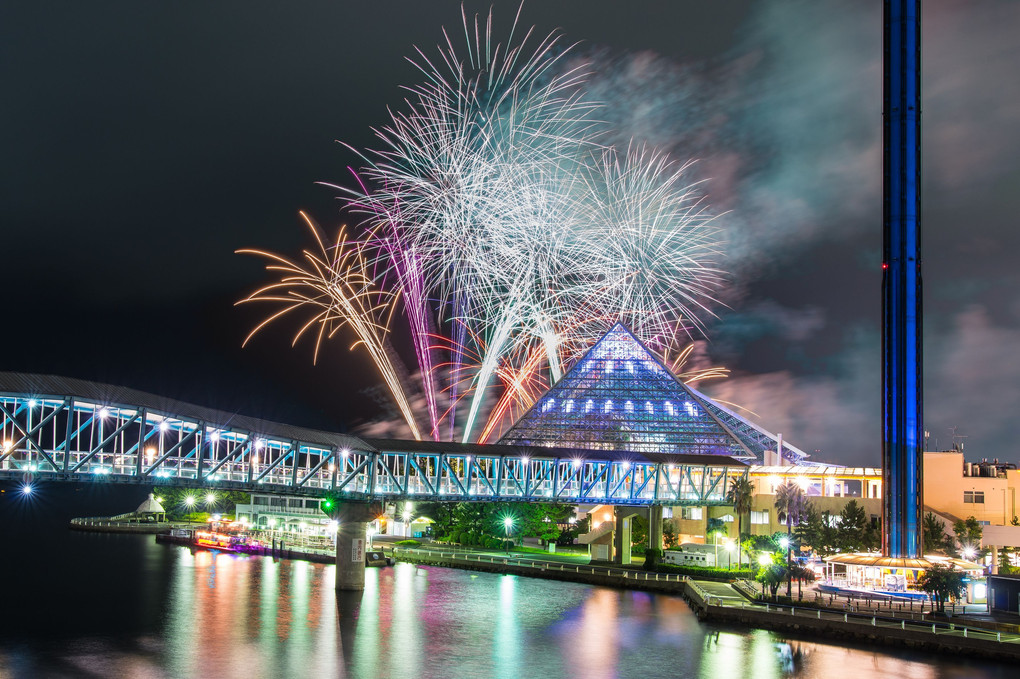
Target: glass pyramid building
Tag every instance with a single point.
(620, 397)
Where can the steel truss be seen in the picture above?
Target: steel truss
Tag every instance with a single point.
(619, 396)
(74, 439)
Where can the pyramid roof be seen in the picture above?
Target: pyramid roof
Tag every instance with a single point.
(619, 396)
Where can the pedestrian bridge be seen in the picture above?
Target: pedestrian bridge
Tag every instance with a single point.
(61, 429)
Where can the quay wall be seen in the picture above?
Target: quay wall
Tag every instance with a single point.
(590, 575)
(939, 638)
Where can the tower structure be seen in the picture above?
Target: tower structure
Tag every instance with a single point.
(902, 412)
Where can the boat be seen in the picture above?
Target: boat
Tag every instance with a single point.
(223, 542)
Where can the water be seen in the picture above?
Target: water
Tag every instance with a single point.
(93, 605)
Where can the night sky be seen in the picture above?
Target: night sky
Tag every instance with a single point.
(141, 143)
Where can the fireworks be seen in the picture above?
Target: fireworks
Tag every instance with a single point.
(512, 239)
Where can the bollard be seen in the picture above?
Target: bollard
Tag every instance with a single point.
(903, 624)
(998, 636)
(819, 614)
(844, 617)
(964, 632)
(872, 621)
(933, 628)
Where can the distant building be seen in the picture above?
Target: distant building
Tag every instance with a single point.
(287, 513)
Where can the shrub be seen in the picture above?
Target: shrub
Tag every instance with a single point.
(652, 558)
(407, 543)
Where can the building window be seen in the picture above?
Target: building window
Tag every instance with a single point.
(691, 513)
(760, 518)
(974, 497)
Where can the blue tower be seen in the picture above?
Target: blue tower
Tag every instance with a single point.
(902, 413)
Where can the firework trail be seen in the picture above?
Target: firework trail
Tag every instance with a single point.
(491, 210)
(337, 286)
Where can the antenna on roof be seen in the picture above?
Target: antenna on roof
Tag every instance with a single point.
(957, 439)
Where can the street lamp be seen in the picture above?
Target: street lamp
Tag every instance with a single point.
(508, 523)
(407, 523)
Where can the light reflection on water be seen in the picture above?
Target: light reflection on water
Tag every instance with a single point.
(206, 614)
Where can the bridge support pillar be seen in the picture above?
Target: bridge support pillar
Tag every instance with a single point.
(622, 534)
(655, 527)
(351, 544)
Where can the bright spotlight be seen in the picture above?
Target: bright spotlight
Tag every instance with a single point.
(210, 498)
(26, 489)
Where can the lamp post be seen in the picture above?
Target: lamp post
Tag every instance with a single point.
(508, 523)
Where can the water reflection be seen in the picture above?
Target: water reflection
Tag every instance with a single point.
(210, 614)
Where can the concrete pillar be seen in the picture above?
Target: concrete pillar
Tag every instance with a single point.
(351, 543)
(621, 537)
(995, 560)
(655, 527)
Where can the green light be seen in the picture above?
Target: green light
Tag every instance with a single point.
(327, 504)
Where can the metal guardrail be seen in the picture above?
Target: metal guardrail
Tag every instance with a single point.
(526, 562)
(888, 622)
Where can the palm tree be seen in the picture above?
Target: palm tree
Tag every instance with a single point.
(791, 504)
(739, 495)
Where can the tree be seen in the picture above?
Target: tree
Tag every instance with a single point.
(715, 525)
(852, 533)
(739, 496)
(968, 536)
(801, 574)
(669, 534)
(942, 582)
(934, 533)
(811, 530)
(772, 574)
(175, 500)
(790, 501)
(441, 515)
(1006, 566)
(755, 545)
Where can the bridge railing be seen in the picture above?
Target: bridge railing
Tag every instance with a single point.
(73, 438)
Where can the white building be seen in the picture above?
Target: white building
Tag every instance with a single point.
(286, 513)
